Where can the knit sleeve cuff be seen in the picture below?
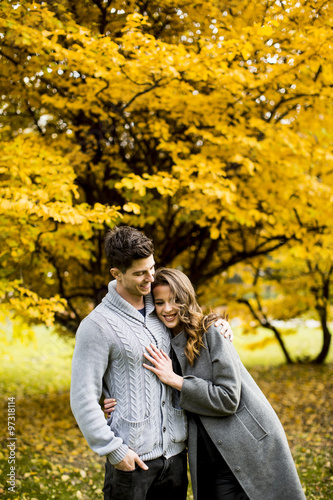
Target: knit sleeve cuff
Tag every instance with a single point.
(118, 455)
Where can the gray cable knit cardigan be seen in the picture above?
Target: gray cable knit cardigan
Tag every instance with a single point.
(108, 357)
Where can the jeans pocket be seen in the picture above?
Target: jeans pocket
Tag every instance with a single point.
(126, 471)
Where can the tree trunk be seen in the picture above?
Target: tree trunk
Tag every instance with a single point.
(327, 337)
(263, 321)
(282, 344)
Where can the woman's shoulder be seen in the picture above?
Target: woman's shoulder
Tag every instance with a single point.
(213, 334)
(216, 340)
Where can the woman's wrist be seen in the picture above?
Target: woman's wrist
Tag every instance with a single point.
(177, 382)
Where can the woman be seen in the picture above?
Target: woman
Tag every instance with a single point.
(237, 446)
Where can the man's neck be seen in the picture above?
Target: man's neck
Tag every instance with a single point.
(136, 301)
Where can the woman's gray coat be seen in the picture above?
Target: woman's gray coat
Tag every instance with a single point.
(239, 420)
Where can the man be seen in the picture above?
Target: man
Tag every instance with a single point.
(144, 440)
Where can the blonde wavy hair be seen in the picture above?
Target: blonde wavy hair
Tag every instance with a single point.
(191, 317)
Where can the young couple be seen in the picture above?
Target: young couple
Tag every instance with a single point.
(236, 445)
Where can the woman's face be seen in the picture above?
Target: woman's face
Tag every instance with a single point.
(165, 308)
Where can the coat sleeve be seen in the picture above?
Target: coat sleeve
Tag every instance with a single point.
(220, 396)
(90, 361)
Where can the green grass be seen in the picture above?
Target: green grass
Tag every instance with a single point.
(54, 461)
(301, 343)
(36, 364)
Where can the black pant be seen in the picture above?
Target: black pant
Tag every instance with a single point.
(217, 482)
(164, 480)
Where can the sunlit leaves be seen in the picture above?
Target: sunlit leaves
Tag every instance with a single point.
(208, 126)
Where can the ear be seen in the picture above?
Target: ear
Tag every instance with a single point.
(116, 273)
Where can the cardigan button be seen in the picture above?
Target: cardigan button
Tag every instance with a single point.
(219, 442)
(237, 469)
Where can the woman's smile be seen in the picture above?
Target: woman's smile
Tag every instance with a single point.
(170, 317)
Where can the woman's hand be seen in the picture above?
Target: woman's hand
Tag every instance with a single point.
(162, 367)
(109, 405)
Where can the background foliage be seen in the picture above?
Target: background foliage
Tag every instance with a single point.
(206, 124)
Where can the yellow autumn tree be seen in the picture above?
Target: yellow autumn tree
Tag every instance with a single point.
(294, 284)
(192, 122)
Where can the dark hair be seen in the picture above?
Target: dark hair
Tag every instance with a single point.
(125, 244)
(193, 321)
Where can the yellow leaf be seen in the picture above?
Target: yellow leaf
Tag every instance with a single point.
(214, 233)
(266, 30)
(132, 207)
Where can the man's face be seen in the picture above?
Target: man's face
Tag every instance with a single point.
(136, 281)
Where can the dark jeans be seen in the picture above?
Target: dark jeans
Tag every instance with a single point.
(164, 480)
(217, 482)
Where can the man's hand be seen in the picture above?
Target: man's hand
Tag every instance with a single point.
(226, 328)
(128, 463)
